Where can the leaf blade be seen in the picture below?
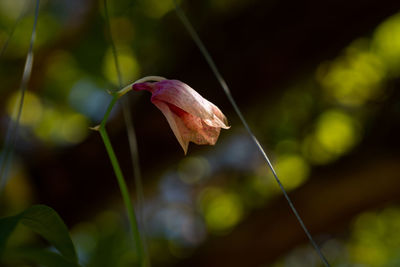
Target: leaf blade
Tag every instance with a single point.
(44, 221)
(40, 256)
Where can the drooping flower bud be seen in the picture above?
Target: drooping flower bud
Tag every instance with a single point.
(191, 117)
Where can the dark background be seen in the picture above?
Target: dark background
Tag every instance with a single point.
(317, 80)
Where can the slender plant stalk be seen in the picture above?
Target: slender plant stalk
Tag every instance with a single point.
(12, 131)
(140, 249)
(227, 91)
(130, 130)
(122, 184)
(133, 147)
(11, 33)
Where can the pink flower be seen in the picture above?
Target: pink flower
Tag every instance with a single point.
(191, 117)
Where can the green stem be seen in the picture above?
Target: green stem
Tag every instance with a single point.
(127, 88)
(122, 185)
(143, 259)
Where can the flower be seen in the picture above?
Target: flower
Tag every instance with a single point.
(191, 117)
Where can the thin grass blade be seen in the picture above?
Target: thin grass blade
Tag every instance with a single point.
(12, 131)
(14, 26)
(227, 91)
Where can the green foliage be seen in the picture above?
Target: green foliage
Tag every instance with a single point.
(374, 240)
(40, 256)
(47, 223)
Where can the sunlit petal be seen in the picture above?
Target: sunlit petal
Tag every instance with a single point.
(191, 117)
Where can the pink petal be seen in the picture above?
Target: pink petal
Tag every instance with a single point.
(188, 128)
(183, 96)
(144, 86)
(219, 119)
(172, 121)
(191, 117)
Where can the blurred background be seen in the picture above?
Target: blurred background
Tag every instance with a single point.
(318, 82)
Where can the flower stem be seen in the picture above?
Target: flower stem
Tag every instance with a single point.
(143, 260)
(127, 88)
(122, 185)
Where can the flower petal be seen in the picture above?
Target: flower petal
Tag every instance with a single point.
(147, 86)
(219, 119)
(183, 96)
(173, 123)
(188, 128)
(191, 117)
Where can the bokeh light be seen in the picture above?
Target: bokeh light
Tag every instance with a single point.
(31, 111)
(89, 99)
(157, 9)
(10, 9)
(335, 134)
(129, 66)
(222, 210)
(355, 77)
(74, 128)
(386, 43)
(374, 241)
(292, 169)
(336, 131)
(18, 191)
(193, 169)
(62, 127)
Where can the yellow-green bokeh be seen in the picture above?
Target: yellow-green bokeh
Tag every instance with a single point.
(375, 239)
(262, 184)
(291, 166)
(19, 43)
(157, 9)
(386, 43)
(62, 127)
(18, 191)
(354, 78)
(31, 110)
(315, 152)
(74, 128)
(222, 210)
(128, 65)
(335, 133)
(293, 170)
(11, 9)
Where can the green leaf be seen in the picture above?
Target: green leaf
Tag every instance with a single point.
(46, 222)
(40, 256)
(7, 226)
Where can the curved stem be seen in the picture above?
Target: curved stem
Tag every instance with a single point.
(122, 185)
(118, 172)
(131, 139)
(127, 88)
